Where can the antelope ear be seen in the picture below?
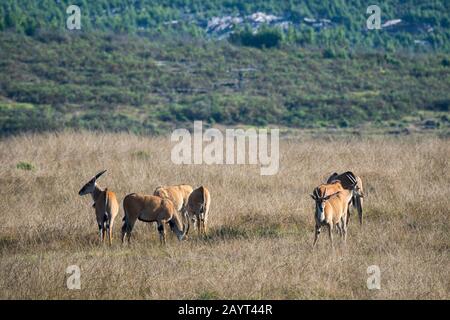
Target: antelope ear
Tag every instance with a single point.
(99, 174)
(332, 177)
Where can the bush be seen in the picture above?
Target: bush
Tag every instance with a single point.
(268, 38)
(25, 166)
(329, 53)
(441, 105)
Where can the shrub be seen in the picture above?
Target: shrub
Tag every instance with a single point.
(329, 53)
(267, 38)
(25, 166)
(141, 155)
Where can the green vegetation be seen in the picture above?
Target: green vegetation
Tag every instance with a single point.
(263, 39)
(25, 166)
(130, 83)
(147, 66)
(191, 17)
(208, 295)
(141, 155)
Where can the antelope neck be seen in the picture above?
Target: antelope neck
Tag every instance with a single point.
(96, 193)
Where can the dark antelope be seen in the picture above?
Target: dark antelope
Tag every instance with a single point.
(346, 179)
(105, 204)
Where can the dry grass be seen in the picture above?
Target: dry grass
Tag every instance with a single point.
(261, 227)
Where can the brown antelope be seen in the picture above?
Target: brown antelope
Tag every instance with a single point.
(358, 195)
(332, 209)
(328, 189)
(149, 208)
(178, 194)
(105, 204)
(198, 208)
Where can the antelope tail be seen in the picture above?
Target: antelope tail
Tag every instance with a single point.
(125, 223)
(203, 207)
(106, 199)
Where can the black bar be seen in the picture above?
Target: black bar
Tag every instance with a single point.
(226, 309)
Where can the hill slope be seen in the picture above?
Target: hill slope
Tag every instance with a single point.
(92, 80)
(307, 22)
(147, 66)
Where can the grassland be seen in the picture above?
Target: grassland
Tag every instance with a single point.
(261, 227)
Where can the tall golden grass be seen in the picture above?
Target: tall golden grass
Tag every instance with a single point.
(261, 227)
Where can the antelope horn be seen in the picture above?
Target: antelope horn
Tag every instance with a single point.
(316, 193)
(99, 174)
(352, 179)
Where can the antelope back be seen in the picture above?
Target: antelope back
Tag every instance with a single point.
(157, 209)
(177, 194)
(346, 179)
(329, 189)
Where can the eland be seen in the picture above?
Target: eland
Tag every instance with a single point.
(105, 204)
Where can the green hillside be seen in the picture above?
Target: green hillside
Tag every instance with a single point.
(119, 73)
(422, 22)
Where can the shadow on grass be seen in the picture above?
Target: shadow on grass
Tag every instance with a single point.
(45, 241)
(231, 232)
(48, 239)
(7, 242)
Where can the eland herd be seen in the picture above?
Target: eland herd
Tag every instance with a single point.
(180, 205)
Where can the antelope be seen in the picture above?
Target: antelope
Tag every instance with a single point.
(330, 189)
(332, 209)
(198, 208)
(357, 199)
(148, 208)
(178, 194)
(105, 204)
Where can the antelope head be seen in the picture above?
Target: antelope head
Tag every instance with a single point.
(179, 227)
(89, 187)
(354, 186)
(320, 202)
